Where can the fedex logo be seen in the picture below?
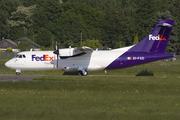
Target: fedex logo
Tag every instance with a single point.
(42, 58)
(159, 37)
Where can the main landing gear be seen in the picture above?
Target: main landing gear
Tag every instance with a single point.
(83, 72)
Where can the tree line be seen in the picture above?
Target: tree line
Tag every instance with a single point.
(112, 23)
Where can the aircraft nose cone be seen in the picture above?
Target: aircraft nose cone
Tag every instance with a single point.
(7, 64)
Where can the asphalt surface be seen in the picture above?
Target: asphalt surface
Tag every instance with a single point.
(14, 77)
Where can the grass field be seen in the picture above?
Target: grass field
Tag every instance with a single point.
(95, 97)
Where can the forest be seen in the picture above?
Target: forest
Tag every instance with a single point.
(109, 23)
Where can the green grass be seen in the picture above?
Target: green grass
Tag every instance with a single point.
(107, 97)
(89, 98)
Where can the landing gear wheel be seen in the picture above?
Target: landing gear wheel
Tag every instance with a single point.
(83, 73)
(17, 73)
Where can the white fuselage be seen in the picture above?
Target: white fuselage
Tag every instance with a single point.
(47, 60)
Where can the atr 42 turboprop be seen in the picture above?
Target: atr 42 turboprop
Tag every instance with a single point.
(85, 59)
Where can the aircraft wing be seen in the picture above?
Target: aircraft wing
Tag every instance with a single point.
(78, 51)
(84, 49)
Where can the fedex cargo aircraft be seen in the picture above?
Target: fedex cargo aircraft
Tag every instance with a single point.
(85, 59)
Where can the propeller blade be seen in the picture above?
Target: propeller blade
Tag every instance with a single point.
(57, 60)
(56, 45)
(56, 51)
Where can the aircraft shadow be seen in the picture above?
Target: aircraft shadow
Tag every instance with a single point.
(145, 73)
(70, 73)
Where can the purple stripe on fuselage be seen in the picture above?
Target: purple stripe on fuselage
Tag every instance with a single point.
(129, 59)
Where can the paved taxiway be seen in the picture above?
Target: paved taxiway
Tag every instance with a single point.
(14, 77)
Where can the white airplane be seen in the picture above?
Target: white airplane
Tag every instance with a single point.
(85, 59)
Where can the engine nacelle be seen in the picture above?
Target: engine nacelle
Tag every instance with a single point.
(65, 52)
(68, 52)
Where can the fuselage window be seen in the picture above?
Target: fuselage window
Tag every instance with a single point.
(24, 56)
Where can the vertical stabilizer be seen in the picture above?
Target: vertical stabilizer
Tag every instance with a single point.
(157, 40)
(151, 48)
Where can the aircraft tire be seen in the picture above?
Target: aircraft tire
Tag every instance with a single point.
(17, 73)
(83, 74)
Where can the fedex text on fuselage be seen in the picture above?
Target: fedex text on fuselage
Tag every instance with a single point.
(42, 58)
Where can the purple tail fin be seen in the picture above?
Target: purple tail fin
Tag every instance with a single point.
(151, 48)
(157, 40)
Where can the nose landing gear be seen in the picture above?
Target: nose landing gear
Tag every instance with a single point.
(18, 72)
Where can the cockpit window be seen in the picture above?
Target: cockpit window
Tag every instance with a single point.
(17, 56)
(20, 56)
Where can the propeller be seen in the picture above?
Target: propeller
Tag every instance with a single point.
(56, 51)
